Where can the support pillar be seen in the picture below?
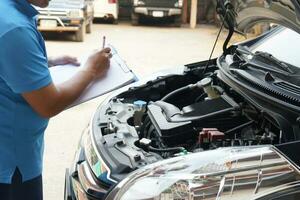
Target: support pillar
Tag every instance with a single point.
(194, 9)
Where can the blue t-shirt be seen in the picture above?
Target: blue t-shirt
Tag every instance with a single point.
(23, 68)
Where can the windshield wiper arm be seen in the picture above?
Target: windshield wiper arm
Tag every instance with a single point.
(264, 56)
(260, 59)
(264, 67)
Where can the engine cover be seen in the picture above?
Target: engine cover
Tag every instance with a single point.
(164, 118)
(169, 132)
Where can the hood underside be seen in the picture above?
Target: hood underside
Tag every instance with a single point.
(251, 12)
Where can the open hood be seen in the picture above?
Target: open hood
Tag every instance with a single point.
(246, 13)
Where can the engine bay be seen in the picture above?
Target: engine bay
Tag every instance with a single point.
(177, 115)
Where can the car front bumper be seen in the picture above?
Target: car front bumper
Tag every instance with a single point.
(80, 182)
(105, 15)
(63, 24)
(149, 10)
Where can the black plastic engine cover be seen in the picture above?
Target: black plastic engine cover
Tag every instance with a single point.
(163, 117)
(164, 128)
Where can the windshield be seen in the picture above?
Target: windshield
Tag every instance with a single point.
(284, 46)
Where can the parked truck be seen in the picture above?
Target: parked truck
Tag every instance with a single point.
(67, 16)
(157, 9)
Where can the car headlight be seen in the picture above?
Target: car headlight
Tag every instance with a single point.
(139, 3)
(75, 14)
(179, 4)
(94, 159)
(226, 173)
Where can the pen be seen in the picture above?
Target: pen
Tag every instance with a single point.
(103, 42)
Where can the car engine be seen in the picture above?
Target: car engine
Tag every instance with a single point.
(181, 114)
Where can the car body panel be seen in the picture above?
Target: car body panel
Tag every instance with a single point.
(105, 9)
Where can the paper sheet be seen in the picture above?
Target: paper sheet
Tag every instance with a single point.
(117, 76)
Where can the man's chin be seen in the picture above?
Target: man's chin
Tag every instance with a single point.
(39, 3)
(46, 4)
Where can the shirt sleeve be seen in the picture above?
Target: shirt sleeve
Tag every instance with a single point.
(23, 63)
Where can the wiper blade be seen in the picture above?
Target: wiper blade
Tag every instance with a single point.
(263, 60)
(265, 67)
(264, 56)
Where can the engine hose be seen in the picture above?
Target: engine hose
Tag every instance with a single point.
(170, 95)
(145, 126)
(230, 34)
(174, 149)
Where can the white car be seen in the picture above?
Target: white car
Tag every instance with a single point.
(220, 129)
(106, 9)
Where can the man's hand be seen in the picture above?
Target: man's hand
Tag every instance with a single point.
(53, 99)
(63, 60)
(98, 63)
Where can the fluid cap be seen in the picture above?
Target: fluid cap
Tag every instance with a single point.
(206, 82)
(141, 104)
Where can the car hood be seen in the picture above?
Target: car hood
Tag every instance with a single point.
(250, 12)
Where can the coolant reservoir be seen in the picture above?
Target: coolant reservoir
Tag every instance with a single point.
(208, 88)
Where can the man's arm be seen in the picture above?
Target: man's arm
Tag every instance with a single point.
(24, 68)
(62, 60)
(52, 99)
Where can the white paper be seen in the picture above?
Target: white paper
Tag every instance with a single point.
(118, 75)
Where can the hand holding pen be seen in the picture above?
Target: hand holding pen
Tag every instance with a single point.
(103, 42)
(98, 63)
(103, 46)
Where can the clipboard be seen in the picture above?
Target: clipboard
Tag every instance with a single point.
(117, 76)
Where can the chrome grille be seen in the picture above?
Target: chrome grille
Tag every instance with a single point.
(160, 3)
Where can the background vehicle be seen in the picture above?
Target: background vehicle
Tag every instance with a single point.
(106, 9)
(67, 16)
(226, 128)
(157, 9)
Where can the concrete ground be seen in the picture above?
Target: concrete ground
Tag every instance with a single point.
(146, 49)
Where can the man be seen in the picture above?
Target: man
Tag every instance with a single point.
(28, 98)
